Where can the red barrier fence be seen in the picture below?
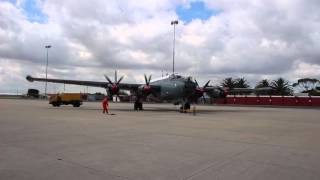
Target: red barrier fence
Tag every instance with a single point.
(271, 100)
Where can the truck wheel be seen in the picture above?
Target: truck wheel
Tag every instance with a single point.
(76, 104)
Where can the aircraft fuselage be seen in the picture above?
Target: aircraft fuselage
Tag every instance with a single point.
(174, 89)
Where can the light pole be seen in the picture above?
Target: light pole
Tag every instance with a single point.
(45, 90)
(174, 23)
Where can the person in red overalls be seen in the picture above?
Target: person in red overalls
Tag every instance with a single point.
(105, 105)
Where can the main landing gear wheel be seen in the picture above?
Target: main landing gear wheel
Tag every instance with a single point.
(138, 105)
(185, 108)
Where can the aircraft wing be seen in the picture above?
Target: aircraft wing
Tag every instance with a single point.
(215, 91)
(124, 86)
(218, 92)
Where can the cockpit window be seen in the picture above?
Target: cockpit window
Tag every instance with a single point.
(176, 76)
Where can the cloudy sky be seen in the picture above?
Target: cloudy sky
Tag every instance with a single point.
(215, 39)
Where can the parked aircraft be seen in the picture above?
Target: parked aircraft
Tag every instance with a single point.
(171, 88)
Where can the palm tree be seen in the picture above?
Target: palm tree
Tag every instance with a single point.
(228, 83)
(241, 83)
(281, 87)
(263, 84)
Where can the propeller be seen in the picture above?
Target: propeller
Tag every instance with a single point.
(201, 90)
(114, 86)
(147, 88)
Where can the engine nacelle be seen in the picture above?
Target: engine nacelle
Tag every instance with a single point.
(199, 92)
(114, 89)
(144, 90)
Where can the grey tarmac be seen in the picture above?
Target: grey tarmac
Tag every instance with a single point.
(38, 141)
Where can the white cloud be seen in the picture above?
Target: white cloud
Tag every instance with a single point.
(253, 39)
(303, 69)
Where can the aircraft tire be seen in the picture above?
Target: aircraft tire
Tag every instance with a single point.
(181, 109)
(138, 106)
(187, 106)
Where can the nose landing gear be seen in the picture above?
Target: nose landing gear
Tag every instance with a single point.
(185, 107)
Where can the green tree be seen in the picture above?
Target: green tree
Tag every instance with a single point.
(241, 83)
(263, 84)
(281, 87)
(228, 83)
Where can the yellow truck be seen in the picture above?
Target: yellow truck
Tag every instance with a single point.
(65, 99)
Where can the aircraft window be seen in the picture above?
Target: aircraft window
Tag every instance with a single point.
(174, 76)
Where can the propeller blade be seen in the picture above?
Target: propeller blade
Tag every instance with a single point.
(108, 79)
(204, 99)
(149, 79)
(146, 79)
(206, 84)
(115, 76)
(196, 83)
(120, 79)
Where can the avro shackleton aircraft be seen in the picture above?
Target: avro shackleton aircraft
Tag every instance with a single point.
(172, 88)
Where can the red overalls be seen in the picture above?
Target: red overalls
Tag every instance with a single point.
(105, 105)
